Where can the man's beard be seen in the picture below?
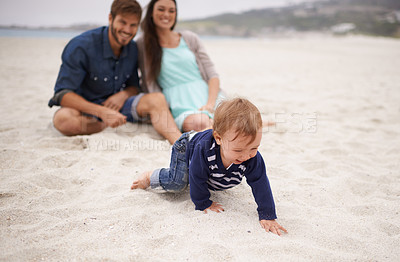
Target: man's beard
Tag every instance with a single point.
(114, 34)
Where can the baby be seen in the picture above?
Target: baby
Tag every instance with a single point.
(218, 159)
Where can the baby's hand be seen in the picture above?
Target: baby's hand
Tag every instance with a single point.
(216, 207)
(273, 226)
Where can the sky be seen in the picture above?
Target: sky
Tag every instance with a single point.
(36, 13)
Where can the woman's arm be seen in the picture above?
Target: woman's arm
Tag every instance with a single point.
(206, 67)
(213, 90)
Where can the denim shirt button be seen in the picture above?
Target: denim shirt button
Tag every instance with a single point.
(95, 78)
(116, 77)
(105, 79)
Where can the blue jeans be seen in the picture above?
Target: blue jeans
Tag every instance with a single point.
(175, 178)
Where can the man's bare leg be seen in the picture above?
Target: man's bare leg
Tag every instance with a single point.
(155, 105)
(71, 122)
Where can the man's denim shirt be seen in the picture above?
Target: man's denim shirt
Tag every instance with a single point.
(90, 69)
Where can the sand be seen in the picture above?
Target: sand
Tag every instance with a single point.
(333, 161)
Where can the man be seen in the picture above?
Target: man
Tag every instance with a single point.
(98, 86)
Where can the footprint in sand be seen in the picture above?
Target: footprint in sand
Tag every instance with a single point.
(279, 172)
(362, 210)
(314, 165)
(6, 195)
(5, 129)
(361, 188)
(332, 152)
(64, 143)
(50, 182)
(389, 229)
(131, 162)
(59, 161)
(11, 159)
(358, 146)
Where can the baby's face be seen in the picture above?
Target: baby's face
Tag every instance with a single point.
(239, 150)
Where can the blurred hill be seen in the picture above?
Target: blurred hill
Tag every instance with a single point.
(75, 27)
(370, 17)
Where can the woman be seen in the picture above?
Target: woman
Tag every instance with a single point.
(176, 64)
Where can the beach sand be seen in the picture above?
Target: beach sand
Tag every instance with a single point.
(333, 161)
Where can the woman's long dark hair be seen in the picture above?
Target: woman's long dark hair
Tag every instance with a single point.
(153, 50)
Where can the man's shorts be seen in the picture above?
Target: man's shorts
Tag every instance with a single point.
(129, 109)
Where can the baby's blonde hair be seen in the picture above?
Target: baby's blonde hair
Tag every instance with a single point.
(238, 114)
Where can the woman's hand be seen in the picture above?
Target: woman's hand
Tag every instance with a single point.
(213, 90)
(208, 107)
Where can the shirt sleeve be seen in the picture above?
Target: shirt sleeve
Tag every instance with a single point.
(256, 177)
(72, 72)
(198, 177)
(73, 69)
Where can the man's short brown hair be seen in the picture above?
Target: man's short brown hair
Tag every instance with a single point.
(126, 7)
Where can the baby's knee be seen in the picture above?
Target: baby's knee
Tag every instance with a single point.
(179, 183)
(177, 187)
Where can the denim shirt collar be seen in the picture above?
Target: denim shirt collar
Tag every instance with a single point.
(107, 51)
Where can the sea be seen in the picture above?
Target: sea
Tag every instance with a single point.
(38, 33)
(68, 34)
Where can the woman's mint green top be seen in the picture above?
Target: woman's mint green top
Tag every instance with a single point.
(181, 82)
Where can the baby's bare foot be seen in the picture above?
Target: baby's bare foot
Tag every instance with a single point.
(143, 181)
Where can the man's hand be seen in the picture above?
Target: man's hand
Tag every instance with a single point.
(112, 118)
(216, 207)
(116, 101)
(273, 226)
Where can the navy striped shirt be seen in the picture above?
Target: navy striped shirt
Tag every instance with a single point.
(206, 172)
